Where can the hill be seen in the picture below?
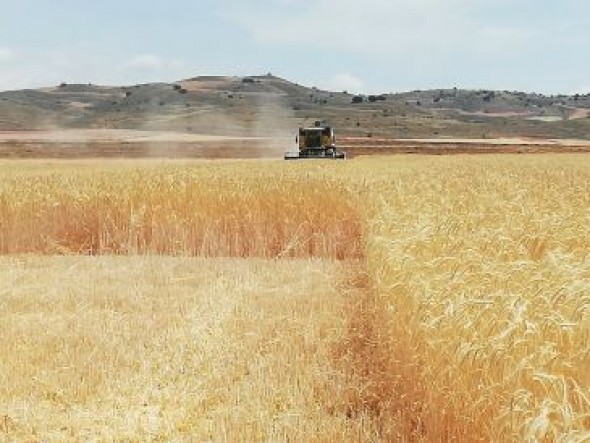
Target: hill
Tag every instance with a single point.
(270, 106)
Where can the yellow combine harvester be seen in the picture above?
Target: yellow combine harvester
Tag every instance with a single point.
(316, 142)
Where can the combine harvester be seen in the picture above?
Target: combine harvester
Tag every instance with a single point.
(316, 142)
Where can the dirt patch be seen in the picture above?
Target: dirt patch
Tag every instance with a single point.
(546, 118)
(97, 143)
(356, 146)
(579, 113)
(111, 135)
(502, 114)
(219, 83)
(79, 105)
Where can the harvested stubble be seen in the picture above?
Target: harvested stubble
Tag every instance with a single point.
(151, 348)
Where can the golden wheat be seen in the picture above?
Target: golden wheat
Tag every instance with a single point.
(206, 210)
(483, 265)
(470, 322)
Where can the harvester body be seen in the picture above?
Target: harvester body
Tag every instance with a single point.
(316, 142)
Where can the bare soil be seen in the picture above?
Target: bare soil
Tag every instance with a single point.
(94, 143)
(108, 143)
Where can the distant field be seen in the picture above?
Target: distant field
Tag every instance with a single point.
(123, 143)
(422, 298)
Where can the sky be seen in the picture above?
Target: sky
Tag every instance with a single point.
(362, 46)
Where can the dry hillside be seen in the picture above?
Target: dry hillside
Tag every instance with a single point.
(272, 106)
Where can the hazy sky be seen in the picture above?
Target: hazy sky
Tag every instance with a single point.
(358, 45)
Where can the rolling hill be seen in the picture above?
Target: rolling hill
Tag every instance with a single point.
(270, 106)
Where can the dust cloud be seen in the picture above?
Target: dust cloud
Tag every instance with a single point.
(256, 126)
(274, 126)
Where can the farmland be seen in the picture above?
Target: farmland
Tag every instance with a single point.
(383, 298)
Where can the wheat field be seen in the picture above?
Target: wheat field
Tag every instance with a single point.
(407, 298)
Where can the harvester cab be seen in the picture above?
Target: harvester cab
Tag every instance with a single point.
(316, 142)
